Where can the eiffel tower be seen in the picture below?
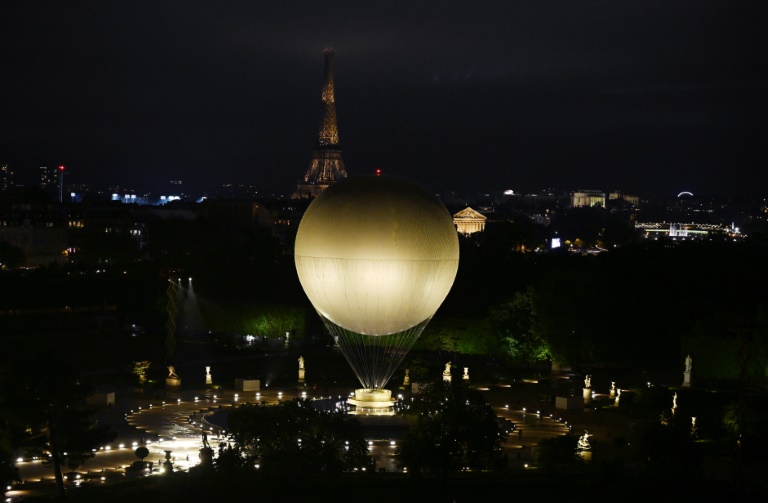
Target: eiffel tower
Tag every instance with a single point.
(326, 166)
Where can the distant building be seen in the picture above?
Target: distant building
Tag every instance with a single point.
(633, 200)
(689, 231)
(38, 230)
(52, 181)
(469, 221)
(588, 199)
(240, 215)
(6, 178)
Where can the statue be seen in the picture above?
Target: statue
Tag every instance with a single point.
(172, 372)
(466, 374)
(301, 363)
(688, 363)
(207, 371)
(674, 403)
(584, 441)
(588, 381)
(447, 370)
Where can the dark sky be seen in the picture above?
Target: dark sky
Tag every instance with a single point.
(652, 97)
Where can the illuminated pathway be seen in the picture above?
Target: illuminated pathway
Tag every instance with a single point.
(177, 425)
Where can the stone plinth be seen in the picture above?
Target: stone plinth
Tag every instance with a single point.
(247, 385)
(569, 402)
(101, 398)
(172, 382)
(301, 376)
(687, 379)
(587, 393)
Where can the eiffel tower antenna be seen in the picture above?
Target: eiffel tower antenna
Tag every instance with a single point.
(326, 166)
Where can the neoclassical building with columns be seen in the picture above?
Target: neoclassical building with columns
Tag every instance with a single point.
(469, 221)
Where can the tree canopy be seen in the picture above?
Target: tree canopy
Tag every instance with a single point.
(43, 399)
(452, 428)
(294, 438)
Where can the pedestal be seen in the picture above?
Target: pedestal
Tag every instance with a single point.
(208, 379)
(587, 394)
(569, 403)
(172, 382)
(446, 377)
(247, 384)
(301, 376)
(687, 379)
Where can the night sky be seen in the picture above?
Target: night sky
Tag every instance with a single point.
(646, 96)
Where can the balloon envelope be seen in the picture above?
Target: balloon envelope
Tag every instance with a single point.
(376, 255)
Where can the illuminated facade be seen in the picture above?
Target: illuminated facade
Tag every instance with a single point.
(326, 166)
(588, 199)
(469, 221)
(689, 231)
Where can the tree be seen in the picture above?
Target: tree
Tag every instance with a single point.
(666, 449)
(515, 322)
(44, 398)
(8, 471)
(559, 454)
(294, 438)
(451, 428)
(10, 256)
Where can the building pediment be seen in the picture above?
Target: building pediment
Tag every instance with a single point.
(469, 214)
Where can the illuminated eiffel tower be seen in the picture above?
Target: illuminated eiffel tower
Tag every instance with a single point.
(326, 166)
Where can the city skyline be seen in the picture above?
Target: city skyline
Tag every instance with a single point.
(650, 98)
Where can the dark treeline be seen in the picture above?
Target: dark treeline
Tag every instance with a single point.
(642, 303)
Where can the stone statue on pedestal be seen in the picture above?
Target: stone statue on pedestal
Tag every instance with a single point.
(407, 380)
(466, 374)
(208, 377)
(447, 368)
(588, 381)
(687, 372)
(172, 372)
(301, 370)
(674, 403)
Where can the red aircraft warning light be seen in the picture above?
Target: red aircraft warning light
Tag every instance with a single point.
(378, 172)
(61, 168)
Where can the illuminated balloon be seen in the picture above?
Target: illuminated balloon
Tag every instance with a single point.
(376, 256)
